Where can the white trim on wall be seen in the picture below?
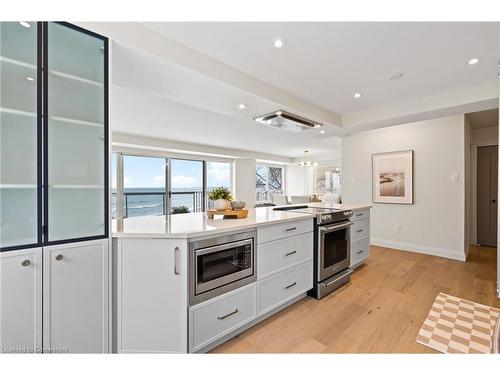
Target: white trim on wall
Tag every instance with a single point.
(455, 254)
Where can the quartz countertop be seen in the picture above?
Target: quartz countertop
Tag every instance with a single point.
(197, 224)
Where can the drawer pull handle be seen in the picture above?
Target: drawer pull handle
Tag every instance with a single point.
(228, 315)
(359, 230)
(291, 253)
(291, 285)
(359, 252)
(176, 261)
(358, 215)
(59, 257)
(290, 229)
(25, 263)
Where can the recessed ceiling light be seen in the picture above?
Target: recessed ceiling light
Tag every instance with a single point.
(30, 78)
(322, 132)
(473, 61)
(279, 42)
(25, 24)
(357, 95)
(394, 76)
(242, 106)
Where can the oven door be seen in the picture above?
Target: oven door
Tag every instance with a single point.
(334, 247)
(219, 265)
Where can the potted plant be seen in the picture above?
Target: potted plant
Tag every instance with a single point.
(180, 210)
(221, 197)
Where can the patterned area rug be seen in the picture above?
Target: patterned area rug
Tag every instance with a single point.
(455, 325)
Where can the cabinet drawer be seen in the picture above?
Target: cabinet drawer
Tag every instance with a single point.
(360, 214)
(277, 255)
(218, 317)
(360, 250)
(279, 289)
(360, 229)
(284, 230)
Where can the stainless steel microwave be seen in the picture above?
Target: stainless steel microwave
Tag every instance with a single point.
(221, 264)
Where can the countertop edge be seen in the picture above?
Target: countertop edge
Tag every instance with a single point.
(189, 235)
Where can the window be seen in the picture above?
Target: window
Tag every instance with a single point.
(268, 181)
(141, 187)
(186, 186)
(218, 175)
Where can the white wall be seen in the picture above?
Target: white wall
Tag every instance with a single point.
(296, 180)
(244, 180)
(435, 223)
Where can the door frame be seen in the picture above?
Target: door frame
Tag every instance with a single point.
(473, 227)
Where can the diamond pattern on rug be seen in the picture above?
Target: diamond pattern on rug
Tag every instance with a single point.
(455, 325)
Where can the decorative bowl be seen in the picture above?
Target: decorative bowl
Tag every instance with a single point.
(238, 205)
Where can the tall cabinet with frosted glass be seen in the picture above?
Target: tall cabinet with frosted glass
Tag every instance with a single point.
(53, 188)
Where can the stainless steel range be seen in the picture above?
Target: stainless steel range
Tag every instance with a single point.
(332, 247)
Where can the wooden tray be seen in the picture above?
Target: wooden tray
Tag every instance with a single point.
(228, 214)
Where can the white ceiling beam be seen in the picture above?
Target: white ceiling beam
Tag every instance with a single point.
(136, 36)
(123, 140)
(470, 99)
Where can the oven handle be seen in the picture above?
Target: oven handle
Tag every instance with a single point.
(214, 249)
(331, 228)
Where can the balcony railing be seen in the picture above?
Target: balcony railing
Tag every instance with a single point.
(153, 203)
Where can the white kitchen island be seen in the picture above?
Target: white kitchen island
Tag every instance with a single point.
(151, 261)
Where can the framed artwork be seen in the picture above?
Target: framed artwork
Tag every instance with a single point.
(393, 177)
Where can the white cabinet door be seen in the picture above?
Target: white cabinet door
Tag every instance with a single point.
(21, 301)
(152, 294)
(75, 297)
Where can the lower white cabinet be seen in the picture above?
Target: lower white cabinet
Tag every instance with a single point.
(213, 319)
(276, 256)
(360, 250)
(21, 301)
(76, 297)
(151, 295)
(360, 237)
(277, 290)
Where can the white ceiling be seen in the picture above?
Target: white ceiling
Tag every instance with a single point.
(157, 98)
(483, 119)
(183, 81)
(326, 63)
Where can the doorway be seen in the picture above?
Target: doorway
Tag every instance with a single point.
(487, 190)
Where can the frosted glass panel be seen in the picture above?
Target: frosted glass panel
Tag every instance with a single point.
(18, 135)
(75, 134)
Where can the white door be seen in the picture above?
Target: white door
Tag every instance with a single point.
(151, 294)
(76, 297)
(21, 300)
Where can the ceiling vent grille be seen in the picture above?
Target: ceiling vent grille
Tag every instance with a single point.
(287, 121)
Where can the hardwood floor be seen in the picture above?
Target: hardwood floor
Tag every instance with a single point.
(380, 311)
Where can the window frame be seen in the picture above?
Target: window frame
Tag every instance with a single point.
(268, 191)
(127, 151)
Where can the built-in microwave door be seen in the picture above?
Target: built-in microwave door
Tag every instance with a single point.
(223, 264)
(334, 243)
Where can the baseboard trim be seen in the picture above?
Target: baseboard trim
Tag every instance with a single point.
(422, 249)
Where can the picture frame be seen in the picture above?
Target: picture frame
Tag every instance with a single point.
(392, 177)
